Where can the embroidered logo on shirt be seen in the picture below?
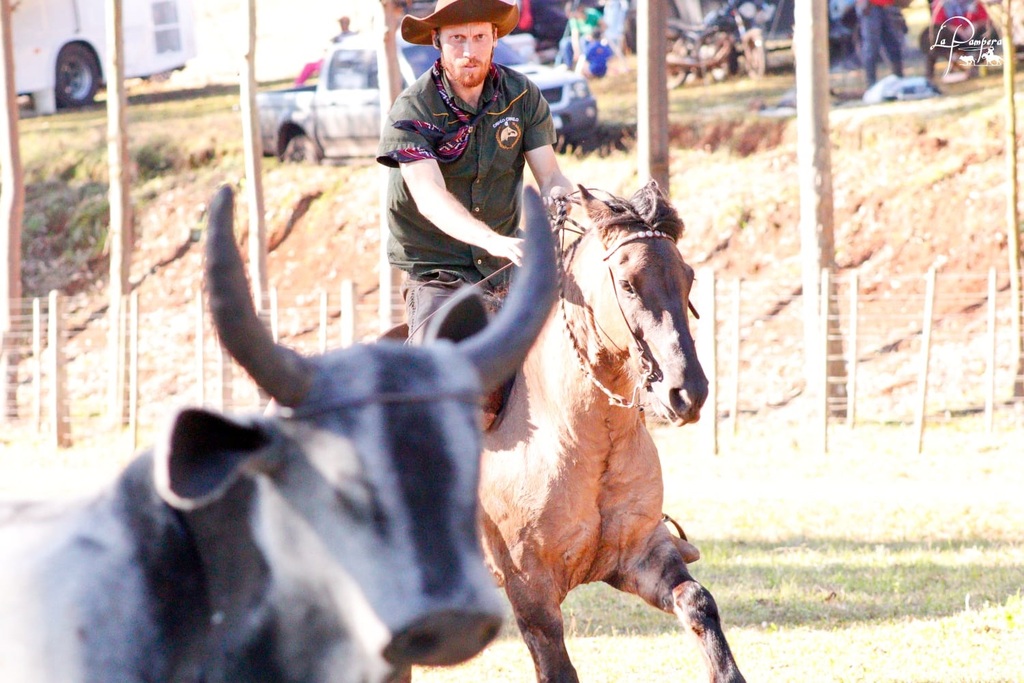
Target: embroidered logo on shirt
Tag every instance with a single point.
(508, 133)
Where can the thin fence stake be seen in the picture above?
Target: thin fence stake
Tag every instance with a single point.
(734, 408)
(707, 351)
(122, 365)
(826, 289)
(990, 367)
(37, 364)
(347, 319)
(133, 370)
(60, 427)
(926, 343)
(853, 352)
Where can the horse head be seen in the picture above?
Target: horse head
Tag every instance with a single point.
(637, 286)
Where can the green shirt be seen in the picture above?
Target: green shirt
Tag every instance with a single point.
(487, 179)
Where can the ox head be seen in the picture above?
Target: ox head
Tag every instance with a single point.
(640, 297)
(366, 476)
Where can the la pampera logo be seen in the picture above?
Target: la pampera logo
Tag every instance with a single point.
(966, 45)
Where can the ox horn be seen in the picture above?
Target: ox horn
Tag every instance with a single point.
(498, 350)
(278, 370)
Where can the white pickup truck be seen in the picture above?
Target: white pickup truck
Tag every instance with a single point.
(340, 116)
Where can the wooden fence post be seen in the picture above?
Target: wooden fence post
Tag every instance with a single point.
(133, 369)
(61, 428)
(852, 352)
(824, 297)
(926, 343)
(990, 365)
(347, 318)
(37, 364)
(707, 352)
(734, 408)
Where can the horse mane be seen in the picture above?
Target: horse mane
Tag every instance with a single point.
(647, 206)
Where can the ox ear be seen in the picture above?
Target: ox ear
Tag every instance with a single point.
(462, 316)
(202, 456)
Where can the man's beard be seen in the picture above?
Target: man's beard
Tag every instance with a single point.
(470, 79)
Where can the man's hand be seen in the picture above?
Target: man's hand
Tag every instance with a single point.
(505, 247)
(554, 195)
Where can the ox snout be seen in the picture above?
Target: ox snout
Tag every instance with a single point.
(443, 638)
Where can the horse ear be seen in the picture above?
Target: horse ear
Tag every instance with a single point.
(595, 208)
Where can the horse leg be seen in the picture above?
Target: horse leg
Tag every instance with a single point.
(661, 578)
(539, 617)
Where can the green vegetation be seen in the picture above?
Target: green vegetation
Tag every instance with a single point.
(864, 565)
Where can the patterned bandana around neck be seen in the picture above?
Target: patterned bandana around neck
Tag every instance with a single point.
(445, 147)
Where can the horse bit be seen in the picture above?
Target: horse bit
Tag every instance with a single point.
(648, 367)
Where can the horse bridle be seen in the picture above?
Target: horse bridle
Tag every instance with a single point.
(648, 366)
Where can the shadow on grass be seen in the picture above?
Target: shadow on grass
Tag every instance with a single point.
(819, 583)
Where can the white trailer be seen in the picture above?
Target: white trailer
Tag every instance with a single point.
(60, 46)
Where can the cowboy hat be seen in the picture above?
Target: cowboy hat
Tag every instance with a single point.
(504, 16)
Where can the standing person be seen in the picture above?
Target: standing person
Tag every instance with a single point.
(344, 29)
(457, 141)
(878, 31)
(615, 12)
(314, 67)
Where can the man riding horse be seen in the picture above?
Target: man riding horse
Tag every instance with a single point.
(456, 141)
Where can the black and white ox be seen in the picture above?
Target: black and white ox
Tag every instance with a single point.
(333, 541)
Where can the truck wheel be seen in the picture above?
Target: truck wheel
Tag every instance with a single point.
(300, 149)
(78, 76)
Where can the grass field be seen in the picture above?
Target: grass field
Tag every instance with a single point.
(865, 564)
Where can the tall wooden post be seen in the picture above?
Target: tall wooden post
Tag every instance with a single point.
(253, 147)
(121, 235)
(12, 206)
(652, 94)
(815, 178)
(391, 76)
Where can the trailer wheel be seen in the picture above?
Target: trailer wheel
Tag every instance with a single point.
(301, 149)
(78, 76)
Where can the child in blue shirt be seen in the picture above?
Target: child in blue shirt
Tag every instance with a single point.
(596, 55)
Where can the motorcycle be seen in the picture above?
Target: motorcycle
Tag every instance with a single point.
(730, 34)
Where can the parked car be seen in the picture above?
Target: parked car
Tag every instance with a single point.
(340, 115)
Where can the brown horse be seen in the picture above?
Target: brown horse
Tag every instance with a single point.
(571, 487)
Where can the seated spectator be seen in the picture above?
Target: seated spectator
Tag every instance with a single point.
(596, 54)
(578, 32)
